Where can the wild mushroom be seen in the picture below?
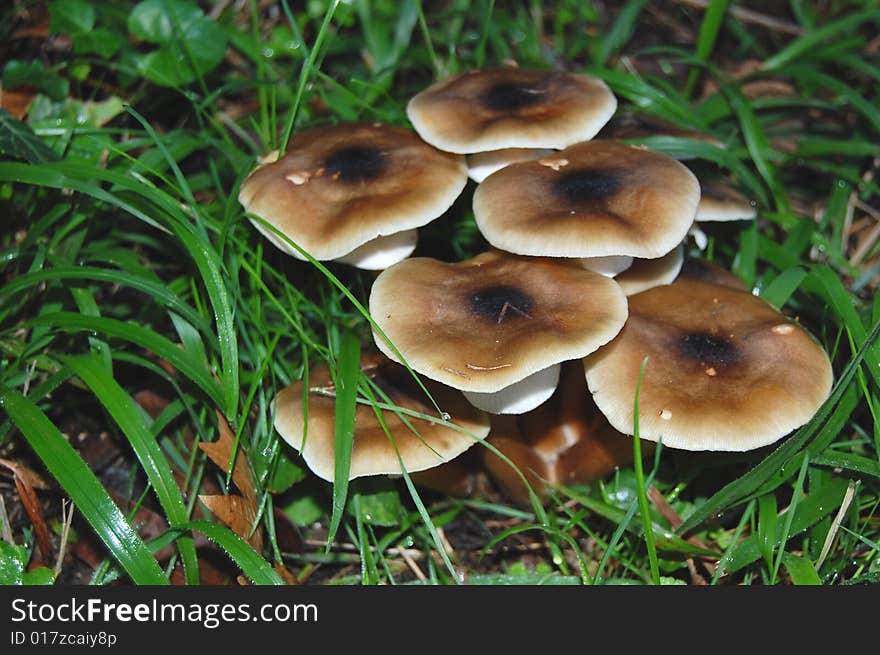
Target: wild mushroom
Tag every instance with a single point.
(355, 191)
(495, 326)
(373, 453)
(645, 274)
(510, 107)
(719, 202)
(593, 199)
(566, 440)
(726, 370)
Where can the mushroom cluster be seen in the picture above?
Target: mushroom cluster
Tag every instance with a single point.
(586, 274)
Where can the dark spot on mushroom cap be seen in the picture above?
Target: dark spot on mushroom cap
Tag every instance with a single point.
(506, 96)
(500, 302)
(355, 164)
(582, 186)
(708, 349)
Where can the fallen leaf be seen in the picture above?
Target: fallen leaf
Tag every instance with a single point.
(238, 513)
(26, 481)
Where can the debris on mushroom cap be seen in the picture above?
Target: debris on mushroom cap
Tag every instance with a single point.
(721, 202)
(486, 323)
(482, 164)
(645, 274)
(372, 451)
(631, 125)
(726, 370)
(564, 441)
(705, 271)
(592, 199)
(336, 188)
(510, 107)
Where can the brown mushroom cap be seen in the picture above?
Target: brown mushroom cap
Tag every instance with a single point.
(339, 187)
(726, 370)
(645, 274)
(372, 451)
(590, 200)
(495, 108)
(721, 202)
(488, 322)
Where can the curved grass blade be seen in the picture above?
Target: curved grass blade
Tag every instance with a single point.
(644, 508)
(257, 569)
(190, 366)
(348, 372)
(128, 417)
(83, 488)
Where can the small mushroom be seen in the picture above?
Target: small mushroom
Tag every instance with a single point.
(495, 326)
(510, 107)
(592, 199)
(564, 441)
(646, 274)
(726, 370)
(721, 202)
(355, 191)
(373, 453)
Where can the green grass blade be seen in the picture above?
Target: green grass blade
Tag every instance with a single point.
(84, 489)
(348, 373)
(190, 366)
(129, 418)
(800, 569)
(709, 28)
(644, 508)
(257, 569)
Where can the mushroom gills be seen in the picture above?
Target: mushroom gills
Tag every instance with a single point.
(381, 252)
(519, 397)
(608, 265)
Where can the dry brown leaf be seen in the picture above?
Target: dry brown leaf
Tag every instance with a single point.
(238, 513)
(26, 481)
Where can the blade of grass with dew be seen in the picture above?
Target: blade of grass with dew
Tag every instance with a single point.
(190, 366)
(800, 569)
(644, 508)
(809, 511)
(848, 462)
(257, 569)
(783, 286)
(348, 369)
(755, 477)
(127, 415)
(84, 489)
(790, 513)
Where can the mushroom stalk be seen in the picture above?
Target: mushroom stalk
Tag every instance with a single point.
(382, 252)
(609, 265)
(519, 397)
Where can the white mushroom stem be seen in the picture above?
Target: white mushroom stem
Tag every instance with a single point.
(519, 397)
(609, 266)
(699, 236)
(382, 252)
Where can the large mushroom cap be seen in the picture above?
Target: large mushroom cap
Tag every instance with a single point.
(372, 451)
(494, 108)
(726, 370)
(590, 200)
(488, 322)
(339, 187)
